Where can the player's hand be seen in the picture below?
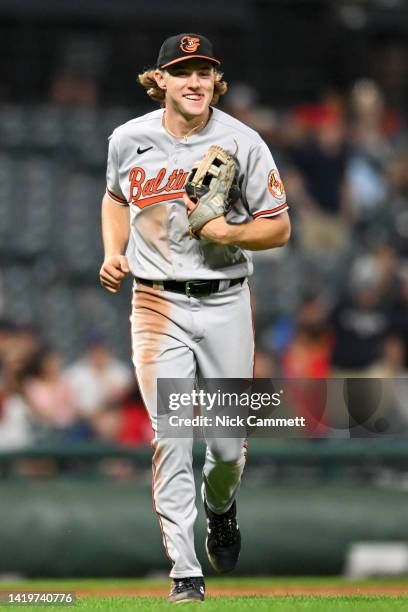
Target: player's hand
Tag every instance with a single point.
(113, 271)
(216, 230)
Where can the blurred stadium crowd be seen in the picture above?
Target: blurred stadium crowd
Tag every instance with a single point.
(333, 302)
(94, 399)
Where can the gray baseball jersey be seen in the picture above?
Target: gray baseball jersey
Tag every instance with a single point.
(147, 170)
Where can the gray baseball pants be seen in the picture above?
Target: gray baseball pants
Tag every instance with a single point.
(175, 336)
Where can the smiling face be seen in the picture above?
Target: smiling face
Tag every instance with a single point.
(189, 87)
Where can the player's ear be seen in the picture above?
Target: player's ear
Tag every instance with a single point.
(159, 78)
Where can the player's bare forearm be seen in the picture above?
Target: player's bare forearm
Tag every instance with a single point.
(115, 227)
(261, 234)
(257, 235)
(115, 233)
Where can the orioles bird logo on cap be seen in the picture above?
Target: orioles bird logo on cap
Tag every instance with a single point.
(189, 44)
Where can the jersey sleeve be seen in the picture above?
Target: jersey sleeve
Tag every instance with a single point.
(113, 189)
(263, 189)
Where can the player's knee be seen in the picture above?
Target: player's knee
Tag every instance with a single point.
(225, 452)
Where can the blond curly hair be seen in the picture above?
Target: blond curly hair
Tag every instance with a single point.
(147, 80)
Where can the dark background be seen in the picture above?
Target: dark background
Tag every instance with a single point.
(290, 50)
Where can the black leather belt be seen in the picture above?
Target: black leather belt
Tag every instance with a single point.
(195, 287)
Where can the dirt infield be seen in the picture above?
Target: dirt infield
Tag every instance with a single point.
(256, 591)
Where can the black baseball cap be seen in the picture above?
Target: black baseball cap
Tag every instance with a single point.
(183, 47)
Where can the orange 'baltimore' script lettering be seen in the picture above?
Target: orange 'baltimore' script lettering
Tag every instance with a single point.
(145, 192)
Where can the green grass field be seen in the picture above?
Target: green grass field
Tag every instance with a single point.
(282, 595)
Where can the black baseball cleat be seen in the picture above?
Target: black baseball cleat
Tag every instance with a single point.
(187, 590)
(223, 543)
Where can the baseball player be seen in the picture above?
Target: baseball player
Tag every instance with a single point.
(191, 313)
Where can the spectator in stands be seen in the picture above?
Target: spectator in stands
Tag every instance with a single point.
(17, 345)
(395, 370)
(394, 358)
(135, 426)
(100, 383)
(50, 399)
(265, 365)
(15, 415)
(372, 147)
(321, 159)
(126, 422)
(7, 337)
(370, 128)
(397, 175)
(360, 321)
(308, 355)
(98, 379)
